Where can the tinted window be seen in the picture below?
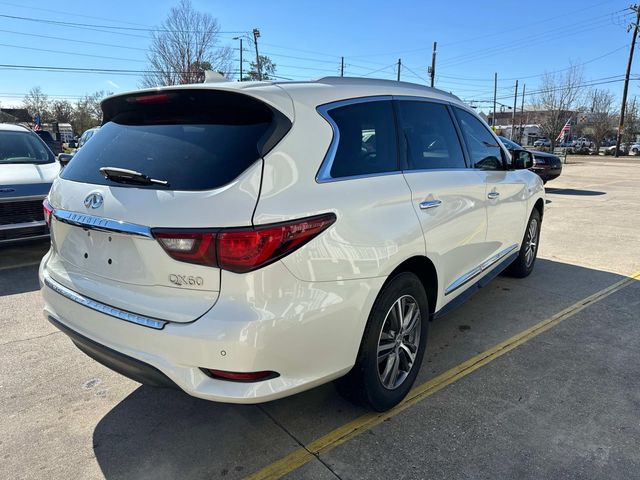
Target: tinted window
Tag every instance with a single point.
(23, 147)
(367, 139)
(195, 140)
(483, 148)
(428, 138)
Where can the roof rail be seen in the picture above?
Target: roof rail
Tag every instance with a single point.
(380, 81)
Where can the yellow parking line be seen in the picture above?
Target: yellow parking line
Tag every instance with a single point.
(354, 428)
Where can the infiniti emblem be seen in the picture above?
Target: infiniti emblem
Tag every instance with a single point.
(93, 200)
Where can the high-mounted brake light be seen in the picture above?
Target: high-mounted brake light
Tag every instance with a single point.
(242, 250)
(149, 99)
(48, 211)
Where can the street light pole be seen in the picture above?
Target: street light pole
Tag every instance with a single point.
(240, 38)
(256, 34)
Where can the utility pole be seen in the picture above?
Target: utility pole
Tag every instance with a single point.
(521, 130)
(240, 38)
(495, 93)
(256, 34)
(513, 116)
(342, 66)
(432, 69)
(626, 79)
(399, 67)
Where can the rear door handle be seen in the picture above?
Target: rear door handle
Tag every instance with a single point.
(493, 195)
(430, 204)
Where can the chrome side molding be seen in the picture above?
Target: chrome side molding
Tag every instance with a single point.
(103, 308)
(488, 263)
(92, 222)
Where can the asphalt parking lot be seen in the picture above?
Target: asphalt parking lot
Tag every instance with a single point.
(533, 378)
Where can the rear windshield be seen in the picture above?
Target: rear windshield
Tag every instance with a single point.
(23, 147)
(194, 140)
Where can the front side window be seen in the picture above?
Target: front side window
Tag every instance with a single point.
(484, 150)
(367, 139)
(428, 139)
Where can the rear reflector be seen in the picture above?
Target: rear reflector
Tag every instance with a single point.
(48, 210)
(240, 376)
(242, 250)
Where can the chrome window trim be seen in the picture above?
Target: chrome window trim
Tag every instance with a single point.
(103, 308)
(92, 222)
(18, 226)
(484, 266)
(324, 172)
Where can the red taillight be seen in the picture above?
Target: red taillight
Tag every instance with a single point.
(48, 210)
(241, 250)
(240, 376)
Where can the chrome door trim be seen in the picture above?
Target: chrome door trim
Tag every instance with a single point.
(92, 222)
(430, 204)
(324, 173)
(488, 263)
(103, 308)
(18, 226)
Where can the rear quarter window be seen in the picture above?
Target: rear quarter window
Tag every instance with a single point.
(195, 140)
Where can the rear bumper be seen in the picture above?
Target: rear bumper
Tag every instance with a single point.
(123, 364)
(309, 333)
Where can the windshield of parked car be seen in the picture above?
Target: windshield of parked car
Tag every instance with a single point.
(511, 145)
(23, 147)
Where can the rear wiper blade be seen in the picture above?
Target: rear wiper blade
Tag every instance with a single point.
(124, 175)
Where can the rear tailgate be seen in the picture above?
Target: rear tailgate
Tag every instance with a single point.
(207, 145)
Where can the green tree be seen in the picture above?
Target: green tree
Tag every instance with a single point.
(88, 112)
(62, 111)
(267, 67)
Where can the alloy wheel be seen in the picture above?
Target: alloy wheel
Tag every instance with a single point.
(399, 341)
(531, 242)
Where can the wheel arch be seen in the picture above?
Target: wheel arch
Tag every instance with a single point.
(425, 270)
(539, 205)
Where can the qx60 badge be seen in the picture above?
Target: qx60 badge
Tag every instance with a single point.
(93, 200)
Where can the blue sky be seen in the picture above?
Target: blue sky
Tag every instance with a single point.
(519, 40)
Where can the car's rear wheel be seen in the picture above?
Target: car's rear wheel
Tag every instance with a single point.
(522, 266)
(392, 347)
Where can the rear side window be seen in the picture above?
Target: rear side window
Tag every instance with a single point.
(428, 139)
(192, 139)
(367, 139)
(23, 147)
(484, 150)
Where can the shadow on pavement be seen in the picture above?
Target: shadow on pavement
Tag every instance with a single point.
(19, 280)
(163, 433)
(576, 192)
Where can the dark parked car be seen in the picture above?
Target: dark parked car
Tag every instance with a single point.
(54, 145)
(547, 165)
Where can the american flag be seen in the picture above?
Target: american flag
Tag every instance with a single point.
(566, 129)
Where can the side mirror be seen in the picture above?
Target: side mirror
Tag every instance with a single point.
(521, 159)
(73, 144)
(64, 158)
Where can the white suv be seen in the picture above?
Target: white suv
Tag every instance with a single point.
(247, 241)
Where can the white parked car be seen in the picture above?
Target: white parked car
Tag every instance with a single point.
(247, 241)
(27, 170)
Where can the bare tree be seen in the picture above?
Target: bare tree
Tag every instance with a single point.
(601, 115)
(559, 97)
(62, 111)
(183, 46)
(631, 121)
(37, 103)
(88, 113)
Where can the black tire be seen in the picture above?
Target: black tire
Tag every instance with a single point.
(523, 265)
(363, 384)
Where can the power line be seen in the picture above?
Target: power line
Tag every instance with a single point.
(61, 52)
